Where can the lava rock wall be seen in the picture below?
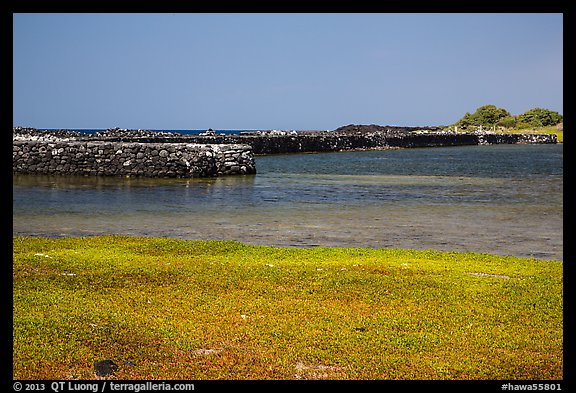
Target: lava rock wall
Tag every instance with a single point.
(316, 142)
(94, 158)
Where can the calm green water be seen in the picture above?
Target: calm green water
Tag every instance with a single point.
(502, 199)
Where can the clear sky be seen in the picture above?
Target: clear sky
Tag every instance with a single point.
(280, 71)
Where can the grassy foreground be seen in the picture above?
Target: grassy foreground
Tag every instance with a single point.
(177, 309)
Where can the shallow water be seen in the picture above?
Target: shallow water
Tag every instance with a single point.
(502, 199)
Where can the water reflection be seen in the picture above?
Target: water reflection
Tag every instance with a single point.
(461, 199)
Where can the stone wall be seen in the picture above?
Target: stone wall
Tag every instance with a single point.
(492, 139)
(330, 141)
(161, 154)
(93, 158)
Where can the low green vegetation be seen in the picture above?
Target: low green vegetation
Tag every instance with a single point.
(176, 309)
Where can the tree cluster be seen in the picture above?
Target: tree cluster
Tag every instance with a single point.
(490, 116)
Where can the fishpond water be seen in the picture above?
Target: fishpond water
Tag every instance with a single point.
(500, 199)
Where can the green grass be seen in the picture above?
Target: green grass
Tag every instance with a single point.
(175, 309)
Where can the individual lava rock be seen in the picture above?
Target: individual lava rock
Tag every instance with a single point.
(104, 368)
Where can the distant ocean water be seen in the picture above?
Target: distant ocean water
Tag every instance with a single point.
(499, 199)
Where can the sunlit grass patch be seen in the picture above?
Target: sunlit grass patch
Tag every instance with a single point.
(176, 309)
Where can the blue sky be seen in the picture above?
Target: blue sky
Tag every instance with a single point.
(280, 71)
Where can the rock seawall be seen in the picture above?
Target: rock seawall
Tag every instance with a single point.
(116, 152)
(97, 158)
(329, 141)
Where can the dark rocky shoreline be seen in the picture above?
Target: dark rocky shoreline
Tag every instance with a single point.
(350, 137)
(120, 152)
